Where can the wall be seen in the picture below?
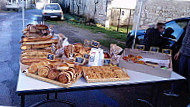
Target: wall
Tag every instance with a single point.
(162, 10)
(105, 14)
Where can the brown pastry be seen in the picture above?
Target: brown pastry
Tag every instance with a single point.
(62, 66)
(64, 77)
(71, 75)
(33, 69)
(53, 74)
(33, 39)
(70, 64)
(43, 71)
(31, 60)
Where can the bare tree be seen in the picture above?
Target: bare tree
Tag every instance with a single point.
(78, 4)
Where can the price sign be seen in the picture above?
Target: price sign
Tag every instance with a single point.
(107, 61)
(154, 49)
(79, 60)
(51, 57)
(86, 56)
(140, 47)
(167, 51)
(95, 44)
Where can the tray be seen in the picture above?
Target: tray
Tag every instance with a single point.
(107, 79)
(52, 81)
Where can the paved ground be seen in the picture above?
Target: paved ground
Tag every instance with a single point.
(10, 33)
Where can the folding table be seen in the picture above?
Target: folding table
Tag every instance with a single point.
(28, 86)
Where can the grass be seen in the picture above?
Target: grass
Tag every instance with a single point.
(107, 43)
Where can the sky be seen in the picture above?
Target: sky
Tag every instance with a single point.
(124, 3)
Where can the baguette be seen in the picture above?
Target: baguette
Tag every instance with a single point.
(33, 39)
(36, 51)
(24, 47)
(41, 42)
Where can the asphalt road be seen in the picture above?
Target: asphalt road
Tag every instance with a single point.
(10, 33)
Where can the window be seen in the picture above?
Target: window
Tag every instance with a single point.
(178, 28)
(52, 7)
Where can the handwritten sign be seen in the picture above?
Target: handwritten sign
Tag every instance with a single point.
(107, 61)
(79, 60)
(140, 47)
(95, 44)
(51, 57)
(167, 51)
(86, 56)
(154, 49)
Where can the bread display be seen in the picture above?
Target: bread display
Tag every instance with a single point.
(34, 39)
(104, 73)
(139, 60)
(55, 72)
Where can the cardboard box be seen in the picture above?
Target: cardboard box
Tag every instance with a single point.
(157, 71)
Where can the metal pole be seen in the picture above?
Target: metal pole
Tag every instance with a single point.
(119, 20)
(137, 25)
(23, 24)
(129, 21)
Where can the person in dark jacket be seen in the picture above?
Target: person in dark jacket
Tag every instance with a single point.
(184, 62)
(153, 37)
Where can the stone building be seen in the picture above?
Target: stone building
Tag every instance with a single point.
(105, 12)
(162, 10)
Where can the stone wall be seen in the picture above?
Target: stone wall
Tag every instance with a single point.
(161, 11)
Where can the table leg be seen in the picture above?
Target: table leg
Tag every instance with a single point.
(55, 95)
(47, 96)
(22, 100)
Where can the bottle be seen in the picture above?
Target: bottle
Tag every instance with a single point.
(51, 30)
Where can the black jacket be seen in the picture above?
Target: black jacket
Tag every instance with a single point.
(152, 38)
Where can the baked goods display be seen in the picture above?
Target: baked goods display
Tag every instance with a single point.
(36, 44)
(50, 60)
(48, 71)
(139, 60)
(77, 52)
(104, 74)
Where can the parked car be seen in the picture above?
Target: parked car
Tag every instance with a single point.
(14, 5)
(179, 27)
(52, 10)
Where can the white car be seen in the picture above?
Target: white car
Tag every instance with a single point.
(52, 10)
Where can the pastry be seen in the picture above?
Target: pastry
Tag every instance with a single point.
(62, 66)
(43, 71)
(33, 69)
(53, 74)
(70, 64)
(33, 39)
(71, 75)
(64, 77)
(31, 60)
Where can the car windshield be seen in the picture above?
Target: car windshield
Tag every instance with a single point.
(52, 7)
(178, 28)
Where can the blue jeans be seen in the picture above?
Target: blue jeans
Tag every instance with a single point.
(184, 70)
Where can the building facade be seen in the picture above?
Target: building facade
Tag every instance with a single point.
(162, 11)
(105, 12)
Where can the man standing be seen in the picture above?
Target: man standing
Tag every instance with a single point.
(184, 63)
(153, 37)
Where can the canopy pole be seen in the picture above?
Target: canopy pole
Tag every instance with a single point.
(23, 24)
(137, 25)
